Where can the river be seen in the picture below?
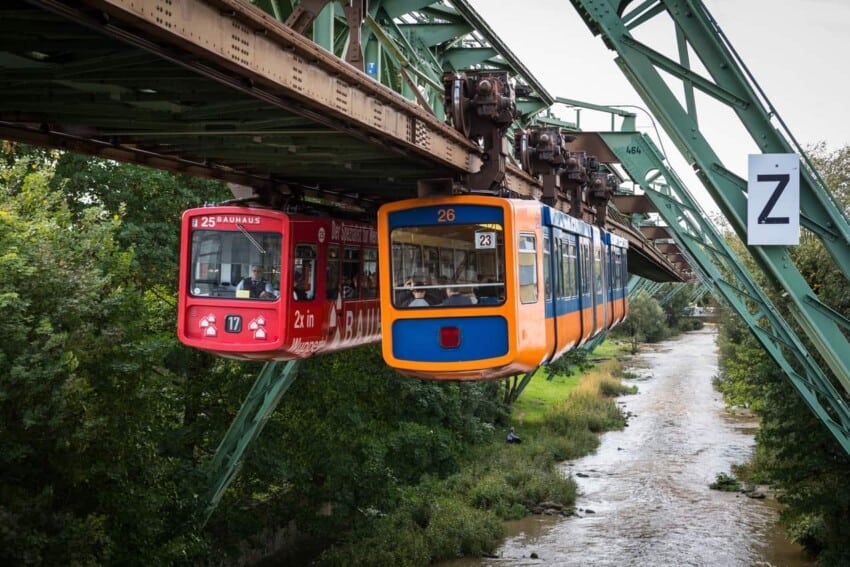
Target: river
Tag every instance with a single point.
(644, 497)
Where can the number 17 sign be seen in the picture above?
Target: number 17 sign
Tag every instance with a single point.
(773, 202)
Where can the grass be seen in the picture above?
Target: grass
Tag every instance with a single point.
(540, 394)
(612, 348)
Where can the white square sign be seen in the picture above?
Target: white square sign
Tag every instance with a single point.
(773, 202)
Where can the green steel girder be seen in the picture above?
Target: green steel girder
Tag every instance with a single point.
(420, 40)
(718, 266)
(398, 8)
(698, 294)
(523, 383)
(642, 286)
(433, 35)
(272, 383)
(467, 57)
(819, 213)
(675, 289)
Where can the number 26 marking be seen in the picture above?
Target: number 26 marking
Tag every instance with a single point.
(445, 215)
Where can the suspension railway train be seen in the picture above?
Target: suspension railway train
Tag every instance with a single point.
(260, 284)
(480, 287)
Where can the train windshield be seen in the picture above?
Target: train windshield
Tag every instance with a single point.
(461, 264)
(235, 265)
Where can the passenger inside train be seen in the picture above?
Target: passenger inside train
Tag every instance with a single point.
(299, 290)
(256, 285)
(458, 296)
(417, 293)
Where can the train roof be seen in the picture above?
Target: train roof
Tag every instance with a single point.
(554, 217)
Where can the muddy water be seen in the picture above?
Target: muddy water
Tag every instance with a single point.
(644, 494)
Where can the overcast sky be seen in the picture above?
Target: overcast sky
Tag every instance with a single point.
(796, 49)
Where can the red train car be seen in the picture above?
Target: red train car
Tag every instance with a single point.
(259, 284)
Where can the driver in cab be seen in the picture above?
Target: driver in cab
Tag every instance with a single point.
(257, 286)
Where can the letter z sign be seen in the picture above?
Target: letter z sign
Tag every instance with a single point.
(773, 202)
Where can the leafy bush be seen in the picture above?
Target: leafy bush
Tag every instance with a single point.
(457, 529)
(725, 483)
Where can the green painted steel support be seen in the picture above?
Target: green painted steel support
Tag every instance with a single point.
(272, 383)
(373, 63)
(591, 345)
(733, 86)
(698, 294)
(420, 40)
(639, 285)
(628, 116)
(522, 384)
(717, 266)
(323, 27)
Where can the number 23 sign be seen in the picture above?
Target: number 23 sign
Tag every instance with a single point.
(773, 202)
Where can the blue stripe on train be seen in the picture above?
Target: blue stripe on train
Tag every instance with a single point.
(463, 214)
(565, 306)
(418, 340)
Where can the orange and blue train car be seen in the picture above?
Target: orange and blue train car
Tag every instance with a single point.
(262, 284)
(479, 287)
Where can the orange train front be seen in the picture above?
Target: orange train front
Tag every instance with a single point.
(480, 288)
(259, 284)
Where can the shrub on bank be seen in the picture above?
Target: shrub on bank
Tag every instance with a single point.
(462, 514)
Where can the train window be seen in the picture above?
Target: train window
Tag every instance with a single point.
(332, 273)
(597, 266)
(396, 258)
(447, 269)
(235, 265)
(561, 272)
(568, 251)
(304, 272)
(547, 278)
(584, 262)
(412, 258)
(431, 259)
(350, 272)
(370, 273)
(527, 268)
(616, 275)
(461, 264)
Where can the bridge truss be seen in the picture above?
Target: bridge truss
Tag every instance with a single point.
(359, 103)
(825, 389)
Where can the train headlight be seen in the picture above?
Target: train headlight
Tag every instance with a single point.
(449, 337)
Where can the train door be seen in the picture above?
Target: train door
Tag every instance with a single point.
(551, 251)
(586, 287)
(600, 269)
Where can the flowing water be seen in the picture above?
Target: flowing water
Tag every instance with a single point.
(644, 496)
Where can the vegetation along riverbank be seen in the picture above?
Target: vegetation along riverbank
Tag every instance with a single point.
(462, 514)
(110, 424)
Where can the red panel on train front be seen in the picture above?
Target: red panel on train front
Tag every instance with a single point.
(219, 248)
(259, 284)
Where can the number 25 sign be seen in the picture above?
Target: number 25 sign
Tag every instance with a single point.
(773, 201)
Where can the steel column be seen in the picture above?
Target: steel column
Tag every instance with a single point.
(718, 266)
(274, 380)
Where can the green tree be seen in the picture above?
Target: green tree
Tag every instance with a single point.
(646, 322)
(149, 202)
